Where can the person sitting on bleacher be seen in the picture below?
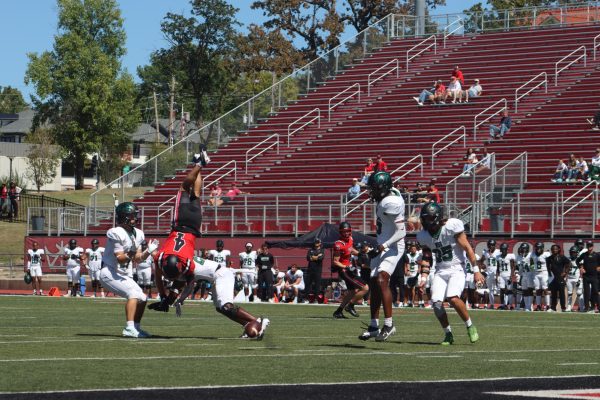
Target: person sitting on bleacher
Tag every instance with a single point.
(471, 158)
(584, 170)
(353, 191)
(595, 171)
(573, 169)
(368, 171)
(426, 94)
(595, 122)
(475, 90)
(561, 172)
(454, 89)
(439, 93)
(498, 132)
(486, 161)
(459, 75)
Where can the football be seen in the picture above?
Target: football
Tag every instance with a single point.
(252, 328)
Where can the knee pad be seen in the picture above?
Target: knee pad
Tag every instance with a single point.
(229, 310)
(438, 309)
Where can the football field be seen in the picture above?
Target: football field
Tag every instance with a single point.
(71, 344)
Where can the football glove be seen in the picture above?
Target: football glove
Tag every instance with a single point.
(152, 246)
(162, 305)
(373, 253)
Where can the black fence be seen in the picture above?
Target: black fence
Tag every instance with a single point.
(30, 200)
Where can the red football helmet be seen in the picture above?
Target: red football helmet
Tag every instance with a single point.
(345, 231)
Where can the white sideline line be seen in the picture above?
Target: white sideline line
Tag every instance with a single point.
(579, 363)
(550, 394)
(296, 384)
(441, 356)
(513, 360)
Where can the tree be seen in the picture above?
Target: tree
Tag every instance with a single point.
(11, 100)
(44, 157)
(81, 88)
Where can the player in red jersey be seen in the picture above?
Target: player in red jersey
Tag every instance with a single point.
(343, 250)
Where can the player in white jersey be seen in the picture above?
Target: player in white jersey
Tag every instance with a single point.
(469, 292)
(391, 231)
(278, 281)
(540, 279)
(145, 270)
(294, 282)
(248, 267)
(124, 246)
(574, 286)
(412, 265)
(75, 258)
(525, 282)
(94, 265)
(220, 256)
(489, 261)
(506, 268)
(447, 242)
(35, 257)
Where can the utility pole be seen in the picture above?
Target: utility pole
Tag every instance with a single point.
(156, 119)
(171, 111)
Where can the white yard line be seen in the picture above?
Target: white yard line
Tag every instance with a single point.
(579, 363)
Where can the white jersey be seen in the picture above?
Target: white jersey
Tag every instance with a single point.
(147, 263)
(119, 240)
(540, 264)
(389, 211)
(294, 277)
(74, 256)
(248, 260)
(95, 258)
(448, 254)
(35, 257)
(413, 262)
(220, 257)
(278, 277)
(573, 271)
(491, 260)
(205, 269)
(524, 263)
(504, 263)
(468, 266)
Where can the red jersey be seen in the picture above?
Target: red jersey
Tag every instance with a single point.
(344, 251)
(182, 245)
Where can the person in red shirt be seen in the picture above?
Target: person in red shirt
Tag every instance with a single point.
(230, 195)
(440, 92)
(368, 171)
(459, 75)
(343, 250)
(434, 193)
(4, 203)
(380, 165)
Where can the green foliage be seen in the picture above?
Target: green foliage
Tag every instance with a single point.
(168, 162)
(44, 157)
(81, 89)
(11, 100)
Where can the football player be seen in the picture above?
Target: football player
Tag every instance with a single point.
(124, 246)
(145, 270)
(506, 266)
(540, 279)
(574, 286)
(248, 267)
(391, 231)
(526, 273)
(94, 265)
(447, 242)
(221, 256)
(489, 261)
(469, 292)
(75, 258)
(35, 257)
(294, 282)
(343, 250)
(411, 272)
(279, 281)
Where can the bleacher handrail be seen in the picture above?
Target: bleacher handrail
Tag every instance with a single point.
(558, 71)
(596, 44)
(310, 121)
(397, 68)
(593, 192)
(521, 158)
(475, 124)
(463, 137)
(434, 44)
(206, 183)
(448, 33)
(543, 82)
(350, 95)
(275, 143)
(461, 175)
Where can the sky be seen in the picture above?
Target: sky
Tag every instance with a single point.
(30, 25)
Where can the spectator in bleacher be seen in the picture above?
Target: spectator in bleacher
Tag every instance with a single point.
(498, 132)
(353, 191)
(419, 193)
(434, 193)
(583, 170)
(457, 73)
(380, 165)
(215, 193)
(596, 122)
(595, 171)
(573, 171)
(561, 172)
(471, 160)
(368, 171)
(426, 94)
(439, 93)
(454, 89)
(486, 161)
(229, 196)
(475, 90)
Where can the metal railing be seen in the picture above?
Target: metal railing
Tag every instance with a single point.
(569, 199)
(229, 170)
(463, 137)
(448, 32)
(558, 71)
(596, 44)
(310, 121)
(460, 190)
(395, 68)
(475, 124)
(543, 82)
(349, 96)
(433, 44)
(275, 143)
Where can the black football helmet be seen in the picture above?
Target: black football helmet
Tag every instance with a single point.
(220, 245)
(345, 231)
(539, 248)
(127, 214)
(524, 249)
(72, 244)
(579, 244)
(431, 217)
(171, 267)
(491, 244)
(27, 277)
(504, 248)
(574, 252)
(95, 244)
(379, 185)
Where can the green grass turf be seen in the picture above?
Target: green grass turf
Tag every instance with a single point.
(67, 344)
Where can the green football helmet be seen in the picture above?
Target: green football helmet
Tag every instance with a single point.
(27, 278)
(432, 217)
(127, 214)
(379, 184)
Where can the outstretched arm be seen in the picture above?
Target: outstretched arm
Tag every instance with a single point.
(193, 181)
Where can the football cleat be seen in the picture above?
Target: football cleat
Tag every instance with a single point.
(473, 335)
(350, 310)
(202, 157)
(339, 315)
(448, 339)
(264, 323)
(371, 332)
(131, 332)
(385, 333)
(143, 334)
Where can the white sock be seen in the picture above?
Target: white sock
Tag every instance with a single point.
(448, 329)
(468, 323)
(548, 300)
(492, 300)
(130, 324)
(388, 322)
(374, 323)
(528, 302)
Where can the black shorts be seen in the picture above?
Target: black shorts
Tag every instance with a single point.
(411, 282)
(352, 280)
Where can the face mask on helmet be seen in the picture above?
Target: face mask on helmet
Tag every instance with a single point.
(127, 214)
(431, 217)
(379, 185)
(573, 252)
(72, 244)
(504, 248)
(539, 248)
(345, 231)
(171, 267)
(95, 244)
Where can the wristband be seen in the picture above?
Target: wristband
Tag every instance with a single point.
(475, 269)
